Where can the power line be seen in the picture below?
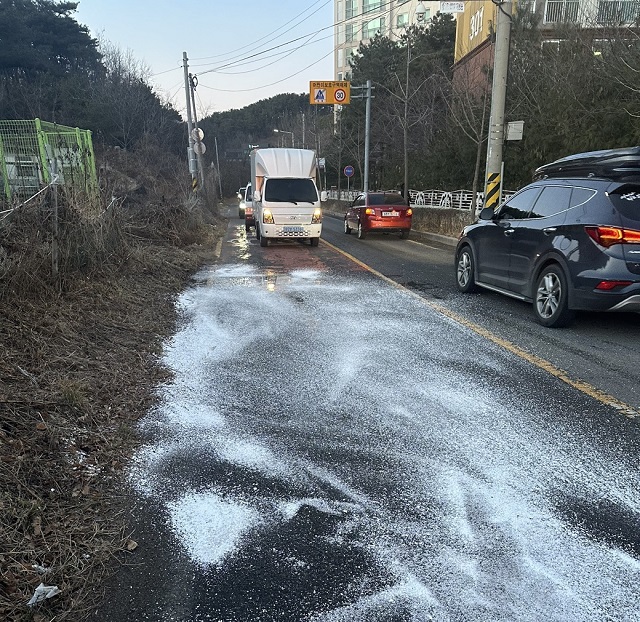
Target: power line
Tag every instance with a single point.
(264, 86)
(333, 25)
(267, 36)
(280, 56)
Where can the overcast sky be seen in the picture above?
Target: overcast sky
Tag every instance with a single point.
(226, 42)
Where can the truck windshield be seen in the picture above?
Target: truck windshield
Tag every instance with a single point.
(290, 191)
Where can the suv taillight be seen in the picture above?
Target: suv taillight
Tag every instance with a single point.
(608, 236)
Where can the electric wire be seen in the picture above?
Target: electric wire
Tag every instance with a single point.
(257, 88)
(249, 45)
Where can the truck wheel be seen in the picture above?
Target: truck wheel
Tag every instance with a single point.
(314, 241)
(257, 232)
(264, 241)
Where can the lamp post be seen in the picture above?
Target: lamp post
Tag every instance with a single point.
(419, 14)
(285, 132)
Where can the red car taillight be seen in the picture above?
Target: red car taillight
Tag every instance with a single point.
(370, 211)
(409, 212)
(609, 285)
(608, 236)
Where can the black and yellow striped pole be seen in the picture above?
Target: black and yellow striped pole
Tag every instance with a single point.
(492, 191)
(493, 183)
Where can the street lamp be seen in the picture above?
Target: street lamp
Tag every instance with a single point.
(419, 15)
(285, 132)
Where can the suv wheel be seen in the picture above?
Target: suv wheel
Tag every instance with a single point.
(465, 269)
(551, 301)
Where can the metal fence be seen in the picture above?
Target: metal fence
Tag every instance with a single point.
(440, 199)
(34, 152)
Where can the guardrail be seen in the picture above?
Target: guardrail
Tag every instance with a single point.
(438, 199)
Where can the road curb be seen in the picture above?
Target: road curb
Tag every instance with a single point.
(417, 236)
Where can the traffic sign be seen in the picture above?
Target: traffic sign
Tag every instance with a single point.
(199, 148)
(349, 171)
(336, 92)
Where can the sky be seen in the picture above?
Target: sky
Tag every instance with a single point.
(230, 45)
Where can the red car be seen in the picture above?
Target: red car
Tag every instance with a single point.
(384, 212)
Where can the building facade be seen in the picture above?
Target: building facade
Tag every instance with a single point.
(358, 21)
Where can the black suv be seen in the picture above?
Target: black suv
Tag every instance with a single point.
(568, 241)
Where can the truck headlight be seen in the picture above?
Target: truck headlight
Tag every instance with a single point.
(317, 216)
(267, 217)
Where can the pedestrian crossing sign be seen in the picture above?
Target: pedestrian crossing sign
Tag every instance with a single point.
(337, 92)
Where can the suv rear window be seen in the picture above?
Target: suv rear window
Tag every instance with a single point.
(626, 199)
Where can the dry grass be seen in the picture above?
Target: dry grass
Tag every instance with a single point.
(79, 363)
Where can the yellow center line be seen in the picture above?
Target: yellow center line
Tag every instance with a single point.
(543, 364)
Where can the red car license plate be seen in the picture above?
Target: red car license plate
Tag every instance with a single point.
(391, 213)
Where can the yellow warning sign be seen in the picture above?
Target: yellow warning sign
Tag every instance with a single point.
(337, 92)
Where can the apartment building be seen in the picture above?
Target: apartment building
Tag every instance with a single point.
(358, 21)
(474, 49)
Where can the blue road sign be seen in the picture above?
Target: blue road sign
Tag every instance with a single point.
(348, 171)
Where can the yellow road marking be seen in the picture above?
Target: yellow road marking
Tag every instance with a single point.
(543, 364)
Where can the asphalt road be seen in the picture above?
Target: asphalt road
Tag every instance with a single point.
(600, 349)
(333, 447)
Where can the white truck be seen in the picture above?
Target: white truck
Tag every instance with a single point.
(286, 204)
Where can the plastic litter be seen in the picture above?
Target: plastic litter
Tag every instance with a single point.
(43, 592)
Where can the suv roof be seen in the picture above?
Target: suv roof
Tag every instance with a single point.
(613, 164)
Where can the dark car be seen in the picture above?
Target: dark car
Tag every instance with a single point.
(247, 207)
(243, 195)
(569, 241)
(382, 212)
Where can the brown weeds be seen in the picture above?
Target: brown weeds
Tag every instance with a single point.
(79, 361)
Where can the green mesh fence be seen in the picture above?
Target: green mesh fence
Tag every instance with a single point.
(33, 151)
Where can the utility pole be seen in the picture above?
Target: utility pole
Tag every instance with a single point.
(367, 135)
(218, 164)
(191, 156)
(495, 145)
(367, 124)
(199, 146)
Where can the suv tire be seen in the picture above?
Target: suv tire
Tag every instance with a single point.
(551, 298)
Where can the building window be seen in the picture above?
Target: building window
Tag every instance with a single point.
(372, 27)
(551, 44)
(617, 11)
(565, 11)
(526, 6)
(351, 9)
(350, 32)
(340, 57)
(371, 5)
(402, 20)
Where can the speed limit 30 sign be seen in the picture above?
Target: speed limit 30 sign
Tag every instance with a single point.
(338, 92)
